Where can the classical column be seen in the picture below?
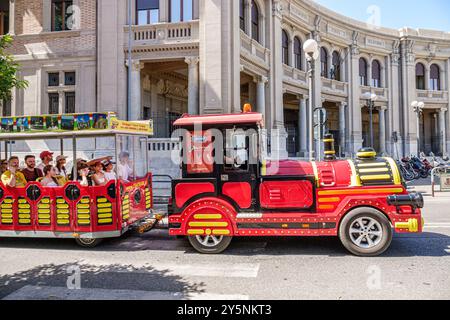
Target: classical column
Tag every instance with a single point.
(279, 135)
(136, 104)
(12, 16)
(382, 115)
(342, 127)
(355, 116)
(193, 86)
(442, 130)
(303, 126)
(261, 95)
(427, 77)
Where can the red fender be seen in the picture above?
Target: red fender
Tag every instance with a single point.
(209, 216)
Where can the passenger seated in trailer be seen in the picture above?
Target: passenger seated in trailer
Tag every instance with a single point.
(47, 159)
(98, 178)
(3, 166)
(50, 177)
(61, 166)
(124, 167)
(30, 172)
(108, 169)
(13, 177)
(83, 173)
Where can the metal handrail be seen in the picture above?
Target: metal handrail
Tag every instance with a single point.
(437, 171)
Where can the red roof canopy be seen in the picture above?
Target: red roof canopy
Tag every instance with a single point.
(241, 118)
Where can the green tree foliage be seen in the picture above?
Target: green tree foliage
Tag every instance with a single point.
(8, 70)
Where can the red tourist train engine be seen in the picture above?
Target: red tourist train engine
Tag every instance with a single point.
(239, 193)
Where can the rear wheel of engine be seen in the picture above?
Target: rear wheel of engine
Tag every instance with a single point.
(366, 232)
(210, 244)
(88, 243)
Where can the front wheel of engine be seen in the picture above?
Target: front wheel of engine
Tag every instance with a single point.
(366, 232)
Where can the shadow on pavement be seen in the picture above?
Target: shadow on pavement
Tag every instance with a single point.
(410, 245)
(116, 277)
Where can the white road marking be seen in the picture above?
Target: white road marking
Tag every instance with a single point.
(437, 225)
(60, 293)
(206, 269)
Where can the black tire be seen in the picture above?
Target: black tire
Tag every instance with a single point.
(216, 249)
(382, 242)
(88, 243)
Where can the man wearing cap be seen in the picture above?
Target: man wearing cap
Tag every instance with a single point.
(47, 158)
(31, 173)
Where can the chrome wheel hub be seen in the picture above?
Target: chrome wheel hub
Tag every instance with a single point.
(366, 232)
(209, 241)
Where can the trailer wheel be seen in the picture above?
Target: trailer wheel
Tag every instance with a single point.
(366, 232)
(210, 244)
(88, 243)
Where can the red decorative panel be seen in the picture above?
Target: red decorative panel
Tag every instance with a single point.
(286, 194)
(186, 191)
(240, 192)
(199, 148)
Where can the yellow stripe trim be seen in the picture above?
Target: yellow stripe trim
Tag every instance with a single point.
(105, 221)
(361, 191)
(44, 221)
(221, 232)
(264, 168)
(7, 216)
(376, 177)
(329, 200)
(326, 207)
(208, 216)
(7, 221)
(316, 172)
(376, 170)
(195, 232)
(369, 165)
(208, 224)
(355, 181)
(395, 171)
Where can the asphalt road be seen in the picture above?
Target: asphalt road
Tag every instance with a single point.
(155, 266)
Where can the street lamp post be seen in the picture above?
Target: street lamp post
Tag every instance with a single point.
(311, 49)
(370, 98)
(130, 16)
(418, 109)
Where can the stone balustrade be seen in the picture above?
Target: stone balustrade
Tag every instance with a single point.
(432, 96)
(164, 33)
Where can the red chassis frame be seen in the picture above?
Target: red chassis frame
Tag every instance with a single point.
(74, 211)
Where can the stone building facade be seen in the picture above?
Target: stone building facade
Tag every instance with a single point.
(212, 56)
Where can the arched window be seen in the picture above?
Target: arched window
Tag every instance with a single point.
(336, 71)
(285, 46)
(420, 76)
(242, 14)
(362, 72)
(255, 21)
(298, 53)
(435, 77)
(181, 10)
(376, 74)
(324, 62)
